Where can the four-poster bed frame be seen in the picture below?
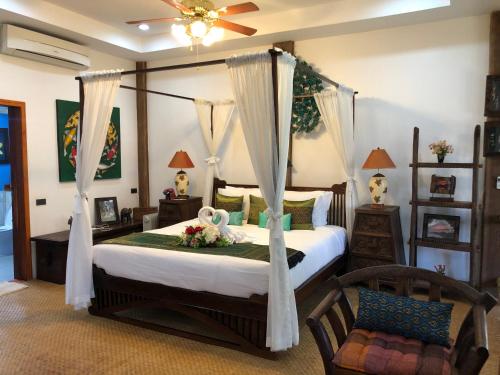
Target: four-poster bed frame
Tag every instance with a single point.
(237, 323)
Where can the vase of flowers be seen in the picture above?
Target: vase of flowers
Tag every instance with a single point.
(203, 235)
(441, 149)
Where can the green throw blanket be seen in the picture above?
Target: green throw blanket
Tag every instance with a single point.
(239, 250)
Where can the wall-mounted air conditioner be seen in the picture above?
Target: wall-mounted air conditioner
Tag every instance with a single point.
(19, 42)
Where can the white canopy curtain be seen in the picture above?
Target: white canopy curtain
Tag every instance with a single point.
(214, 119)
(251, 78)
(336, 109)
(100, 91)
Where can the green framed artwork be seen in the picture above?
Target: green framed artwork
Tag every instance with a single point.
(68, 116)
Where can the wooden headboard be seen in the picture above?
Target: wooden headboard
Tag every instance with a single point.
(336, 214)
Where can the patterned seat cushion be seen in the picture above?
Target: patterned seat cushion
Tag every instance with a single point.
(382, 353)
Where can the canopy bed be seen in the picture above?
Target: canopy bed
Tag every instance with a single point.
(259, 323)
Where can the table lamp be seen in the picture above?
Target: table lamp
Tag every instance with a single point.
(181, 160)
(378, 159)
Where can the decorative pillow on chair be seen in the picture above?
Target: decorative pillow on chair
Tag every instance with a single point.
(422, 320)
(230, 204)
(301, 213)
(286, 221)
(257, 205)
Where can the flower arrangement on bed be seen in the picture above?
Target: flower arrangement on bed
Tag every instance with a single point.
(203, 235)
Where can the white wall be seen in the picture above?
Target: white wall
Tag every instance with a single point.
(39, 85)
(429, 75)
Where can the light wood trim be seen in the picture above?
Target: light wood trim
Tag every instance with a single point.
(20, 188)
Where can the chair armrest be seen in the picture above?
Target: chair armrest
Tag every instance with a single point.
(326, 304)
(480, 329)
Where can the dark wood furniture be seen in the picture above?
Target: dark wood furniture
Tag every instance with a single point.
(232, 322)
(376, 237)
(470, 351)
(473, 246)
(52, 249)
(173, 211)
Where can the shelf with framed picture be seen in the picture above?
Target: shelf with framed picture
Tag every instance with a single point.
(440, 231)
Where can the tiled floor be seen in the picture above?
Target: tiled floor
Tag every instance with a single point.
(6, 268)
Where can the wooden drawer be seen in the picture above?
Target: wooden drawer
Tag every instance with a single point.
(358, 262)
(373, 223)
(51, 262)
(375, 246)
(170, 212)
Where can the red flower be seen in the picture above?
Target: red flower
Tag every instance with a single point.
(190, 230)
(198, 229)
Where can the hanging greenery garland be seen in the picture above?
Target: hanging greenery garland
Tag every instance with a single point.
(305, 113)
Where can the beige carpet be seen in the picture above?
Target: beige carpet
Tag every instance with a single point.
(40, 335)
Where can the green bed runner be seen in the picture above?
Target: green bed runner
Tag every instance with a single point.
(239, 250)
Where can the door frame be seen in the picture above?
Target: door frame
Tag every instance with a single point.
(20, 189)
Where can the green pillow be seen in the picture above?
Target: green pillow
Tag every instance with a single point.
(230, 204)
(301, 213)
(286, 221)
(257, 205)
(235, 218)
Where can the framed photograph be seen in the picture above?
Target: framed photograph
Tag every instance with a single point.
(4, 146)
(492, 99)
(443, 185)
(491, 138)
(443, 228)
(106, 211)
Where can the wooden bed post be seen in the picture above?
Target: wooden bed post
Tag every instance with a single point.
(274, 70)
(142, 135)
(82, 105)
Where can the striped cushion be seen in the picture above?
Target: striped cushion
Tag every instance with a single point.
(382, 353)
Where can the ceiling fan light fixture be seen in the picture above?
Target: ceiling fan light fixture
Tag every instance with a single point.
(215, 34)
(180, 34)
(198, 29)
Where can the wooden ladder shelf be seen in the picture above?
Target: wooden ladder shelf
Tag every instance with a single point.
(472, 247)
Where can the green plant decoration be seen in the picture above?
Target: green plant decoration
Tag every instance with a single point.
(305, 113)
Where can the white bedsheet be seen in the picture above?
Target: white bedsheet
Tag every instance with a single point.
(226, 275)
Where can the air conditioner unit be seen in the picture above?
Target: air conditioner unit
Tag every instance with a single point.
(28, 44)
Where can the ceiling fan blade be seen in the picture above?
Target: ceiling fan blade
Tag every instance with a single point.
(171, 19)
(237, 9)
(235, 27)
(178, 6)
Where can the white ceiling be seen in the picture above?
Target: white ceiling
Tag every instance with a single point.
(100, 24)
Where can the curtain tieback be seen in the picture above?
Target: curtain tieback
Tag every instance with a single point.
(273, 219)
(212, 160)
(79, 199)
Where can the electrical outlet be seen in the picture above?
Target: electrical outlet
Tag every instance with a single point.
(41, 202)
(498, 182)
(133, 191)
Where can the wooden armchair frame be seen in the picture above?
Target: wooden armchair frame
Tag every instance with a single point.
(470, 351)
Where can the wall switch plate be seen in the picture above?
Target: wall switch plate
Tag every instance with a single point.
(133, 191)
(498, 182)
(41, 202)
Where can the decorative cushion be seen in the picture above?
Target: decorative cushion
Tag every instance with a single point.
(257, 205)
(422, 320)
(230, 204)
(235, 218)
(321, 204)
(382, 353)
(286, 221)
(233, 191)
(301, 213)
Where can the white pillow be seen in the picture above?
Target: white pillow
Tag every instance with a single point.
(321, 204)
(232, 191)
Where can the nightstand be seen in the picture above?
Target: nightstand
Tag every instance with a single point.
(174, 211)
(376, 237)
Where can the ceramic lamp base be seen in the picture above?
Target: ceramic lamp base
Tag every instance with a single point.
(182, 185)
(378, 190)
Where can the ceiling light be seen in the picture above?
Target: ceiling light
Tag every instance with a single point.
(214, 35)
(143, 27)
(180, 33)
(198, 29)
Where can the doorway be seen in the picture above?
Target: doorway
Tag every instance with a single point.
(14, 197)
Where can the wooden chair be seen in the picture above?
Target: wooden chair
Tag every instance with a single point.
(470, 350)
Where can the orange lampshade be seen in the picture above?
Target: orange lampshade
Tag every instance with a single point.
(378, 159)
(181, 160)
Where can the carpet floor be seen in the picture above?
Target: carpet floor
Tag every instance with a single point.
(40, 335)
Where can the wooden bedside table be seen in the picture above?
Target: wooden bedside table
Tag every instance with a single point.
(376, 237)
(52, 249)
(174, 211)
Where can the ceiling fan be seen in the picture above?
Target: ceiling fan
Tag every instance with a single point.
(201, 20)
